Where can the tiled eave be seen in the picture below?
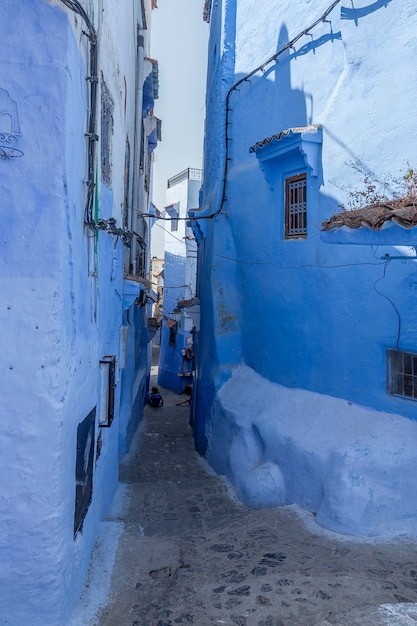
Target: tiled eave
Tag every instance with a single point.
(305, 141)
(278, 137)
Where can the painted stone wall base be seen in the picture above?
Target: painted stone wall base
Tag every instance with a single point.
(351, 465)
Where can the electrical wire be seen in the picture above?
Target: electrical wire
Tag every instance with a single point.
(168, 219)
(170, 233)
(91, 134)
(260, 68)
(390, 301)
(92, 137)
(296, 267)
(174, 286)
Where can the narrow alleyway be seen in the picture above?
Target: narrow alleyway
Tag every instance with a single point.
(191, 554)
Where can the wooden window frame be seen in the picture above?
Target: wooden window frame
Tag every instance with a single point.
(301, 230)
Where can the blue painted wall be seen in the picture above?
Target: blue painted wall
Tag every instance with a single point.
(61, 309)
(303, 314)
(173, 341)
(179, 284)
(134, 381)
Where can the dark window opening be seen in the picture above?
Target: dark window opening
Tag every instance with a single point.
(174, 220)
(108, 384)
(402, 373)
(84, 469)
(173, 331)
(296, 207)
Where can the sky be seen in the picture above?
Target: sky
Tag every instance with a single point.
(179, 39)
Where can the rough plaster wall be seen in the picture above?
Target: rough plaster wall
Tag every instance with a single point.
(311, 315)
(292, 94)
(57, 320)
(35, 503)
(220, 294)
(320, 300)
(351, 465)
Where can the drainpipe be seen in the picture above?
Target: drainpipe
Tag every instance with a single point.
(91, 134)
(261, 68)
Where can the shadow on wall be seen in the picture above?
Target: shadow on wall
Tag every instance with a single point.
(291, 107)
(356, 14)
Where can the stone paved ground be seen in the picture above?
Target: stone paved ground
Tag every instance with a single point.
(191, 554)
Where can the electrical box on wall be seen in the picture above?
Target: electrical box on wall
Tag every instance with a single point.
(107, 386)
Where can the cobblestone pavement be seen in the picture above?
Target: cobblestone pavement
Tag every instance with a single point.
(191, 554)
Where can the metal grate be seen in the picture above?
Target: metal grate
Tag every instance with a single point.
(155, 79)
(126, 186)
(402, 373)
(296, 207)
(207, 10)
(158, 129)
(107, 110)
(142, 6)
(188, 174)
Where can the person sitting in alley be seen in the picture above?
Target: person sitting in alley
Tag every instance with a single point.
(155, 398)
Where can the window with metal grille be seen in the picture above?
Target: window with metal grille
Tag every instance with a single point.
(141, 259)
(296, 207)
(126, 186)
(158, 129)
(142, 149)
(402, 373)
(144, 24)
(107, 109)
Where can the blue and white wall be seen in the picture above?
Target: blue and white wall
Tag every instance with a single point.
(175, 366)
(64, 297)
(291, 399)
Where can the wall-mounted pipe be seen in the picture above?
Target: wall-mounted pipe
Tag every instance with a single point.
(260, 68)
(91, 134)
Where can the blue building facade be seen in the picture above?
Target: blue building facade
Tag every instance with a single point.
(74, 310)
(176, 353)
(295, 398)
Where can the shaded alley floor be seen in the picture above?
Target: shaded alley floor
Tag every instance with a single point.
(189, 553)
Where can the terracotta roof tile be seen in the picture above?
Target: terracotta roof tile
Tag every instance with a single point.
(402, 212)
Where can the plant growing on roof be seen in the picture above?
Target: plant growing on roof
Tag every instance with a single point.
(371, 190)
